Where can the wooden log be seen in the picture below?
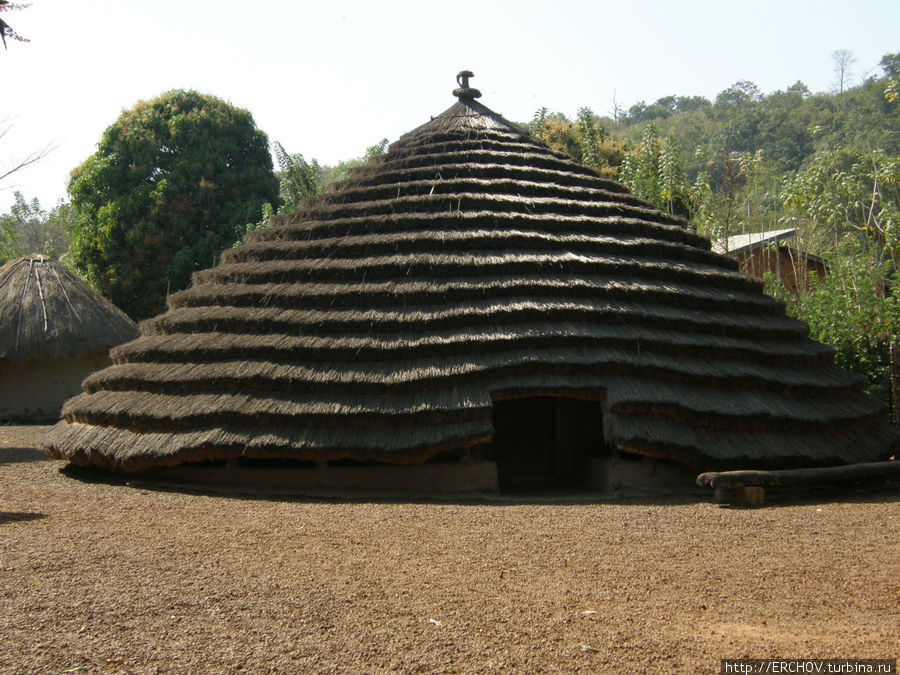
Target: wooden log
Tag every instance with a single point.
(748, 496)
(794, 477)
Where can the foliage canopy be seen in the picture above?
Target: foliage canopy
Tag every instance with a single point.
(28, 228)
(173, 182)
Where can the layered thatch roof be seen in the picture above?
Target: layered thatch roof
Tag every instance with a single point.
(470, 264)
(48, 312)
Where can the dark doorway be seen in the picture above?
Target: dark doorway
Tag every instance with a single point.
(545, 441)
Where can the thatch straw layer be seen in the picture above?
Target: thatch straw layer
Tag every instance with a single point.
(289, 227)
(470, 264)
(387, 377)
(463, 240)
(48, 312)
(481, 315)
(281, 348)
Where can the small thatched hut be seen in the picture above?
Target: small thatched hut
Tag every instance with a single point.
(54, 330)
(470, 291)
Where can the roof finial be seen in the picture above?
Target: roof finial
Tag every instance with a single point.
(465, 91)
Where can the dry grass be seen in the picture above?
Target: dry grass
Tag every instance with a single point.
(101, 577)
(48, 312)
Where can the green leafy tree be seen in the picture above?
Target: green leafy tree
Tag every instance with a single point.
(595, 148)
(652, 170)
(173, 182)
(556, 132)
(9, 243)
(586, 140)
(590, 133)
(723, 194)
(537, 121)
(849, 192)
(341, 169)
(640, 169)
(738, 95)
(665, 108)
(28, 228)
(890, 64)
(850, 312)
(782, 130)
(672, 185)
(297, 178)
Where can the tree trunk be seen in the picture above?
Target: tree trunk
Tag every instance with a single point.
(895, 380)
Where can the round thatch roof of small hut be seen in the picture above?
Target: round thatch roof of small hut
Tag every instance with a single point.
(54, 330)
(470, 264)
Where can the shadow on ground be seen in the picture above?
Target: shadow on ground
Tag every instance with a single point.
(16, 455)
(882, 491)
(17, 517)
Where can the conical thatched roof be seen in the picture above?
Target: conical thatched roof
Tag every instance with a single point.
(48, 312)
(470, 264)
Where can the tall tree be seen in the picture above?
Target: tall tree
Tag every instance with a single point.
(173, 182)
(297, 178)
(849, 193)
(652, 170)
(843, 60)
(890, 64)
(616, 110)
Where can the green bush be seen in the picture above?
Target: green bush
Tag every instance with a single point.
(857, 315)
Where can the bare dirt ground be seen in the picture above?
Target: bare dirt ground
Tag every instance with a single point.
(106, 577)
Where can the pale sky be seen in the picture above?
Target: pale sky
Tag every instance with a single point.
(327, 79)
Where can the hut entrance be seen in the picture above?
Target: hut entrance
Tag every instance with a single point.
(545, 441)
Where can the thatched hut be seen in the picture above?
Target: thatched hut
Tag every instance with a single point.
(54, 330)
(471, 291)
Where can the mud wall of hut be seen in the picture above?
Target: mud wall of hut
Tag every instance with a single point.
(34, 390)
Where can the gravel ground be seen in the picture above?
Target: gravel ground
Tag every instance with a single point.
(103, 577)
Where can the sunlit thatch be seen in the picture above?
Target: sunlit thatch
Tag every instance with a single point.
(470, 264)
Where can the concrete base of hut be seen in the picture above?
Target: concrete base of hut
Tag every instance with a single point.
(626, 474)
(34, 390)
(427, 480)
(618, 475)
